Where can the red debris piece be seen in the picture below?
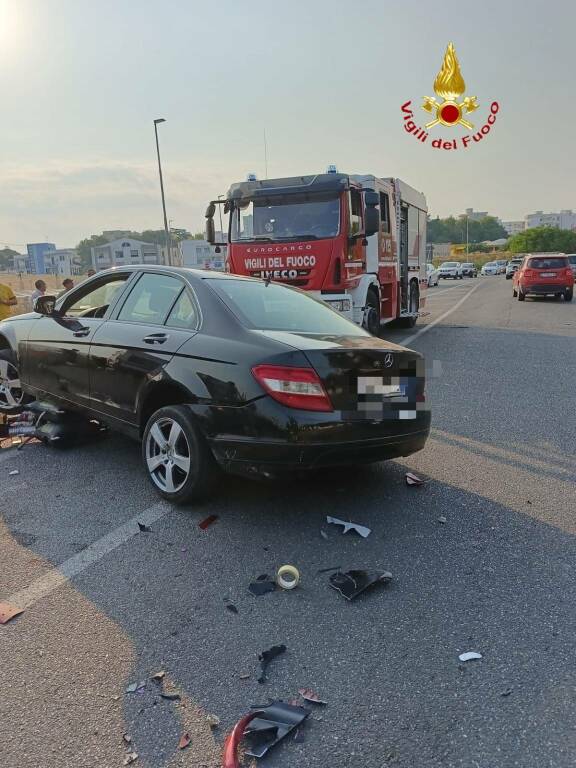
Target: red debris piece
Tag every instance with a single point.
(207, 521)
(184, 741)
(230, 756)
(8, 612)
(309, 695)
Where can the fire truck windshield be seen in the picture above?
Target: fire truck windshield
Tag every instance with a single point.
(293, 217)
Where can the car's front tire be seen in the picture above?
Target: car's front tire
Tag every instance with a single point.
(176, 455)
(12, 398)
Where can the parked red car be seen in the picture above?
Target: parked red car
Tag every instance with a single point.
(543, 274)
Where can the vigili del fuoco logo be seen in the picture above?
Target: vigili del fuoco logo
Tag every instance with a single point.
(448, 112)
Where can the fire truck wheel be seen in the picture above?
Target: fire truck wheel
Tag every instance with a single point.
(372, 313)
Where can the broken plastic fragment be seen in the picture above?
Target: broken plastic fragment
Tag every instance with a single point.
(127, 739)
(327, 570)
(352, 583)
(309, 695)
(144, 528)
(362, 530)
(159, 676)
(262, 585)
(14, 472)
(442, 519)
(130, 758)
(323, 534)
(184, 741)
(412, 479)
(136, 687)
(232, 608)
(207, 521)
(8, 612)
(213, 721)
(170, 696)
(469, 656)
(244, 675)
(266, 657)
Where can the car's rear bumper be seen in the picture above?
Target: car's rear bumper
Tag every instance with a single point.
(262, 446)
(545, 288)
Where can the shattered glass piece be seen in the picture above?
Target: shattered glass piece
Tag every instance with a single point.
(266, 657)
(136, 687)
(470, 656)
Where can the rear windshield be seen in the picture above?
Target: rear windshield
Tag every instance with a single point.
(550, 262)
(276, 307)
(572, 258)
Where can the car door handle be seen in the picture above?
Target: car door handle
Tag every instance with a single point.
(81, 332)
(155, 338)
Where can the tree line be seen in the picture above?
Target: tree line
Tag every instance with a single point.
(453, 230)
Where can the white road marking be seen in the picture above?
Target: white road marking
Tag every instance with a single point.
(410, 339)
(56, 577)
(444, 290)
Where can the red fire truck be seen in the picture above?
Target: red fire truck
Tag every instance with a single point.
(356, 242)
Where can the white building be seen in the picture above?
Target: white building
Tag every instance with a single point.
(562, 220)
(123, 251)
(473, 215)
(514, 227)
(199, 254)
(63, 262)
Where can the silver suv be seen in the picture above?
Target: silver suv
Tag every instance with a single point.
(513, 265)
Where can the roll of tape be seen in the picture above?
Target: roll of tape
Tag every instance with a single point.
(287, 577)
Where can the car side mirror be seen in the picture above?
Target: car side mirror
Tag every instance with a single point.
(44, 305)
(210, 231)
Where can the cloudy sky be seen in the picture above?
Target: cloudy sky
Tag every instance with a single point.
(81, 82)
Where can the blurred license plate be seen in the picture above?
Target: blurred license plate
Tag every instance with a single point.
(374, 386)
(548, 274)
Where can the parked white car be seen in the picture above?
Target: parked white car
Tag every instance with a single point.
(490, 268)
(451, 269)
(432, 274)
(501, 266)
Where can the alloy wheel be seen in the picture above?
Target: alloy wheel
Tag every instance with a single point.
(11, 395)
(168, 455)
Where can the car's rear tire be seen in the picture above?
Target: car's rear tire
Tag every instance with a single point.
(568, 295)
(176, 455)
(12, 398)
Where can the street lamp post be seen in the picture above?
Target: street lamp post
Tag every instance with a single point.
(166, 232)
(466, 234)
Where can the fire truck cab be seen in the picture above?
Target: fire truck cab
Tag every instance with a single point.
(357, 242)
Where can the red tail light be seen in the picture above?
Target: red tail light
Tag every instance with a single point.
(295, 387)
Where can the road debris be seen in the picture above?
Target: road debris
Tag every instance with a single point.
(131, 757)
(232, 608)
(158, 676)
(361, 530)
(126, 738)
(184, 741)
(262, 585)
(263, 728)
(412, 479)
(170, 696)
(309, 695)
(442, 519)
(14, 472)
(287, 577)
(266, 657)
(244, 675)
(207, 522)
(327, 570)
(323, 534)
(213, 721)
(136, 687)
(470, 656)
(507, 692)
(8, 612)
(144, 528)
(352, 583)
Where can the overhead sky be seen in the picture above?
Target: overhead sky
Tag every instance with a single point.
(81, 82)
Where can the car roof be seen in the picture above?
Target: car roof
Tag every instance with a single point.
(201, 274)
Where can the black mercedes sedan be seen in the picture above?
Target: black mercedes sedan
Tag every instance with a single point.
(214, 371)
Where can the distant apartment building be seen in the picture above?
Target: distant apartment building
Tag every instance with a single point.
(514, 227)
(562, 220)
(36, 263)
(199, 254)
(119, 253)
(63, 262)
(473, 215)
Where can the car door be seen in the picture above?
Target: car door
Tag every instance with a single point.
(55, 360)
(130, 349)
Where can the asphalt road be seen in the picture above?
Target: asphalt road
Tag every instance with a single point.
(497, 577)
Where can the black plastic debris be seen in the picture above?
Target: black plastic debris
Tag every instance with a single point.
(361, 530)
(266, 657)
(144, 528)
(352, 583)
(274, 723)
(232, 608)
(262, 585)
(327, 570)
(170, 696)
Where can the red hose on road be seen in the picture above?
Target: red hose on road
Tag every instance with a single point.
(230, 755)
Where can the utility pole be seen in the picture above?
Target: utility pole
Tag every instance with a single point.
(166, 231)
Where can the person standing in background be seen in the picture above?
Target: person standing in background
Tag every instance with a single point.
(68, 284)
(40, 286)
(7, 300)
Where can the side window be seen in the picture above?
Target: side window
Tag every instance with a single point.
(385, 212)
(184, 313)
(151, 299)
(355, 211)
(95, 301)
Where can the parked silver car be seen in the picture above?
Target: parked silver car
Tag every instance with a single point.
(451, 269)
(512, 266)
